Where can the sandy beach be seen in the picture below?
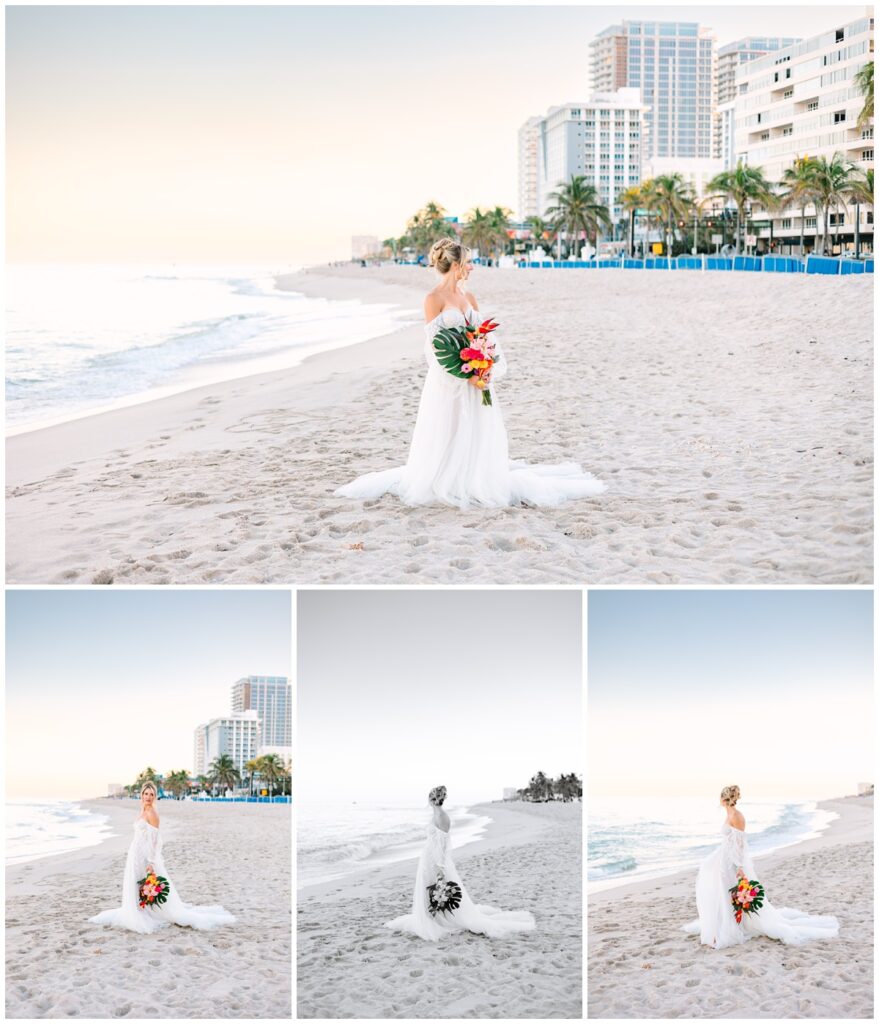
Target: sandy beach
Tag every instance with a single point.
(730, 416)
(349, 965)
(642, 965)
(60, 965)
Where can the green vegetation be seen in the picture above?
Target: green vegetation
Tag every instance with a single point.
(542, 789)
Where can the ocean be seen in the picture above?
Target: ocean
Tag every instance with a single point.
(633, 838)
(83, 339)
(337, 840)
(45, 828)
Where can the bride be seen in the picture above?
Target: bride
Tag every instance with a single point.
(459, 452)
(716, 924)
(436, 860)
(144, 856)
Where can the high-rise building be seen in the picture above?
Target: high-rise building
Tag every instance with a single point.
(364, 246)
(529, 141)
(600, 140)
(727, 62)
(236, 734)
(671, 62)
(800, 101)
(272, 699)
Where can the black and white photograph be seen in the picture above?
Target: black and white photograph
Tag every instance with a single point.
(439, 822)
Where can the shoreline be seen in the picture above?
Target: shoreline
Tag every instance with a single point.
(59, 964)
(732, 456)
(349, 965)
(234, 369)
(504, 829)
(641, 964)
(618, 882)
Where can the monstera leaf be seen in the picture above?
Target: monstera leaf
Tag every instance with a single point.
(443, 897)
(447, 344)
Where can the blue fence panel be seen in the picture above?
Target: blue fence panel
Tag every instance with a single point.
(746, 263)
(851, 267)
(656, 263)
(688, 263)
(822, 265)
(608, 263)
(868, 266)
(633, 264)
(718, 263)
(782, 265)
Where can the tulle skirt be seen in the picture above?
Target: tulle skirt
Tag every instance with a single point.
(459, 456)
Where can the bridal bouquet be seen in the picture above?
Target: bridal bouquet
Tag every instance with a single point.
(747, 897)
(153, 890)
(468, 352)
(443, 896)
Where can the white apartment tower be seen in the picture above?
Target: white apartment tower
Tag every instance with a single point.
(529, 140)
(727, 62)
(236, 734)
(671, 63)
(271, 698)
(600, 140)
(803, 101)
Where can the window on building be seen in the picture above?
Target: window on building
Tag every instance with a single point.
(788, 93)
(867, 154)
(785, 222)
(840, 35)
(838, 116)
(812, 105)
(810, 222)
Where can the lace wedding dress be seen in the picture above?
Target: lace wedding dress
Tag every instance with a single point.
(459, 452)
(716, 925)
(436, 857)
(146, 848)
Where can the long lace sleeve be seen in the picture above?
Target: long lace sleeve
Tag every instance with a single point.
(438, 843)
(734, 846)
(148, 845)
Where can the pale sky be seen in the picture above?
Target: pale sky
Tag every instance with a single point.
(689, 691)
(102, 683)
(270, 135)
(401, 691)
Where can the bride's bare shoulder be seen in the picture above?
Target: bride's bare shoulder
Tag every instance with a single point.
(471, 298)
(737, 820)
(151, 816)
(433, 306)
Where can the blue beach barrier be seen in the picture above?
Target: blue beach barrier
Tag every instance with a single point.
(822, 265)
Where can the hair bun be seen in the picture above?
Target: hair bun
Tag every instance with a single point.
(446, 251)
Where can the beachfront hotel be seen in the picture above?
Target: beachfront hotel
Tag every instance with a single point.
(728, 60)
(600, 140)
(271, 697)
(800, 101)
(672, 64)
(236, 734)
(529, 143)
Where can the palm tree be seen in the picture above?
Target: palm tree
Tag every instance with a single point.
(223, 773)
(541, 230)
(798, 183)
(540, 787)
(743, 185)
(674, 198)
(177, 783)
(577, 210)
(251, 769)
(832, 182)
(864, 84)
(632, 200)
(147, 775)
(860, 189)
(202, 782)
(427, 226)
(271, 768)
(481, 231)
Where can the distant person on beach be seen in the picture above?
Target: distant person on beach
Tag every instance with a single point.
(145, 858)
(438, 885)
(718, 924)
(459, 453)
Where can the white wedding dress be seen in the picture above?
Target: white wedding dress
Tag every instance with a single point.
(716, 925)
(435, 857)
(459, 454)
(146, 848)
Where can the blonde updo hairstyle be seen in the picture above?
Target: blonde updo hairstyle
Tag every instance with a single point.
(145, 787)
(447, 251)
(437, 796)
(729, 795)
